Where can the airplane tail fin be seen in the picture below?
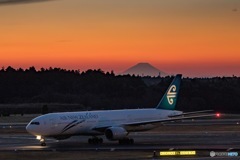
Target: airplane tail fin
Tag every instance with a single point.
(169, 99)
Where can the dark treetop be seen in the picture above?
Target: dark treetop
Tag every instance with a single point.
(95, 89)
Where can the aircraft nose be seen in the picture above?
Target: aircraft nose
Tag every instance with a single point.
(29, 128)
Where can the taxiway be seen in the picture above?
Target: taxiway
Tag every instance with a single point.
(203, 139)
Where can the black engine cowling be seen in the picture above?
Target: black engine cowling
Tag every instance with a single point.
(115, 133)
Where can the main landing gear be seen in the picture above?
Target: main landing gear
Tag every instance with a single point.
(95, 140)
(126, 141)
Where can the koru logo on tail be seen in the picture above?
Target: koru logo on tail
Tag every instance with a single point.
(171, 94)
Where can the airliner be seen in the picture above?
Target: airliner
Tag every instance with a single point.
(115, 125)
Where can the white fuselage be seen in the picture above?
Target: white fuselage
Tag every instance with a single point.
(84, 123)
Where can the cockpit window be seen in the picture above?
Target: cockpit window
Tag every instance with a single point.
(35, 123)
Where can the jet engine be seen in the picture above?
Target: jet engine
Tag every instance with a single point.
(115, 133)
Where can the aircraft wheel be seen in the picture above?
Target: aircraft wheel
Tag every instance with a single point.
(100, 140)
(90, 141)
(43, 144)
(131, 141)
(120, 141)
(95, 140)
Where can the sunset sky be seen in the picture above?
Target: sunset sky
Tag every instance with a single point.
(197, 38)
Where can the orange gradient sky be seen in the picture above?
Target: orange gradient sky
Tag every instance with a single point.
(197, 38)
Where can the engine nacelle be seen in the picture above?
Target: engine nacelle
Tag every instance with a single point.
(115, 133)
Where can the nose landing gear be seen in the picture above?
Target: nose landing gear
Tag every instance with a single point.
(42, 140)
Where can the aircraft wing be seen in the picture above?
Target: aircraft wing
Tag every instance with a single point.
(191, 113)
(171, 119)
(176, 118)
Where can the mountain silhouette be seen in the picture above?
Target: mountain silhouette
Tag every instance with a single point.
(144, 69)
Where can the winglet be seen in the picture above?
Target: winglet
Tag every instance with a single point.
(169, 99)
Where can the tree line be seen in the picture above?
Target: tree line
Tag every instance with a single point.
(96, 89)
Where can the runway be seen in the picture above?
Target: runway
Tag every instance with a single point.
(143, 141)
(203, 143)
(203, 139)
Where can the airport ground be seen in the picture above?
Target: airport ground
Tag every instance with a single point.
(203, 136)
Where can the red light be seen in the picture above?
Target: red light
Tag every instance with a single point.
(218, 115)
